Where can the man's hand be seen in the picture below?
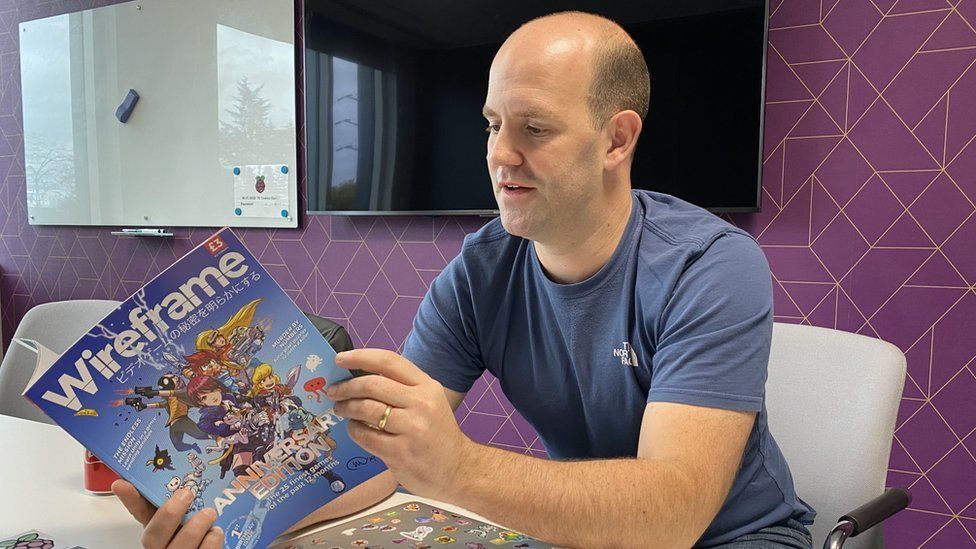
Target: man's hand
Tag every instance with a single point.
(421, 442)
(162, 526)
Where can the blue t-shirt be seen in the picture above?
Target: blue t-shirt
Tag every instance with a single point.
(681, 313)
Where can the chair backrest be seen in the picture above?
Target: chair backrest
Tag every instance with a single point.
(55, 325)
(832, 398)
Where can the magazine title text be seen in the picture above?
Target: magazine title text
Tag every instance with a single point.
(131, 342)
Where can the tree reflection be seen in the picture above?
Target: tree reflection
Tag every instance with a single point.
(51, 172)
(247, 134)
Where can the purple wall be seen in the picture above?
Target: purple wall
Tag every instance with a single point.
(870, 178)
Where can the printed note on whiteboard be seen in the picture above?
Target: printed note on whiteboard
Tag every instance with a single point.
(261, 191)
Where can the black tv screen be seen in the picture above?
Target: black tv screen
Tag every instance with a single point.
(394, 90)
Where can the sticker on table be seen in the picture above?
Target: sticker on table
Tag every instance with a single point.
(438, 516)
(418, 534)
(34, 538)
(260, 191)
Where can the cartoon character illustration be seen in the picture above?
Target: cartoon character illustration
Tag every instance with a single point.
(160, 460)
(192, 481)
(242, 433)
(437, 515)
(175, 401)
(418, 534)
(218, 339)
(267, 389)
(316, 388)
(299, 420)
(245, 342)
(312, 362)
(209, 363)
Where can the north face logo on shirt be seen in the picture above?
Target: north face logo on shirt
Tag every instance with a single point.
(626, 354)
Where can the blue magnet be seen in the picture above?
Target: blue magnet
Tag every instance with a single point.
(284, 213)
(237, 171)
(284, 169)
(237, 211)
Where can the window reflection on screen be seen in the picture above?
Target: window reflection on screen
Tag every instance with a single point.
(345, 132)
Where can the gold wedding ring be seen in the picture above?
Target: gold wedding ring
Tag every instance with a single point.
(386, 416)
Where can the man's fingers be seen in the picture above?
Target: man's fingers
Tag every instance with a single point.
(378, 388)
(196, 529)
(214, 539)
(383, 362)
(166, 521)
(371, 412)
(138, 506)
(372, 440)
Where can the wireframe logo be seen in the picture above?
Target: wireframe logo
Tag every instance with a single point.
(626, 354)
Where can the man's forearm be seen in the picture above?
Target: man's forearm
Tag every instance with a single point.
(599, 503)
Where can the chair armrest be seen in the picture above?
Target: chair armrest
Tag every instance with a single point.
(868, 515)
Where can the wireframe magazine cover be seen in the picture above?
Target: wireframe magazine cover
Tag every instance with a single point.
(211, 379)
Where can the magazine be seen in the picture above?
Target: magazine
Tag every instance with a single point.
(210, 378)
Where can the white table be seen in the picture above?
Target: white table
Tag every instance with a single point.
(41, 475)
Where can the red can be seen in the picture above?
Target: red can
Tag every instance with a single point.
(98, 477)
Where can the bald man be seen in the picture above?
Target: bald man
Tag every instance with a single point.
(630, 328)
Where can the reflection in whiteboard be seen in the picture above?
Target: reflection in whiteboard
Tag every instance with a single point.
(261, 191)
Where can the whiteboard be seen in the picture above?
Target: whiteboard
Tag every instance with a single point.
(211, 140)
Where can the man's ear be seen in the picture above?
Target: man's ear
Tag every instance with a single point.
(624, 129)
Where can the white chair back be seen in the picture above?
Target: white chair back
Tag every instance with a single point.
(55, 325)
(832, 399)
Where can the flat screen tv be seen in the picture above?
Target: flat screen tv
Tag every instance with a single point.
(393, 92)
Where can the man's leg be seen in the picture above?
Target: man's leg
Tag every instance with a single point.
(788, 534)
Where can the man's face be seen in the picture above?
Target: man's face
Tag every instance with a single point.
(544, 154)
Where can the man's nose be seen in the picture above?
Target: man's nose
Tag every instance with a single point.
(503, 150)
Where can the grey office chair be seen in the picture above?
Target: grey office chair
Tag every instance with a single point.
(56, 325)
(832, 399)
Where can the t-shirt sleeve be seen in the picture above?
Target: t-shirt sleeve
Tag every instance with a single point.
(443, 341)
(715, 330)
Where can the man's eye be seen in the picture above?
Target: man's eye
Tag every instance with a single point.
(492, 128)
(534, 130)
